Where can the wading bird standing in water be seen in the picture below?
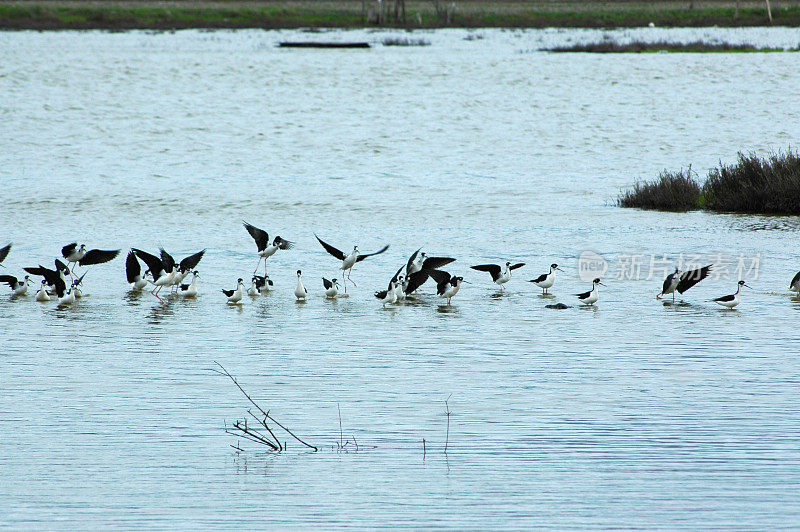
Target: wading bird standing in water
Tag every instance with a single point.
(546, 280)
(731, 300)
(348, 261)
(590, 297)
(499, 276)
(265, 249)
(447, 286)
(682, 281)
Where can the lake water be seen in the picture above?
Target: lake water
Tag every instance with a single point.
(629, 414)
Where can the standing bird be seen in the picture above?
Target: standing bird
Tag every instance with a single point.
(235, 296)
(263, 283)
(189, 290)
(590, 297)
(300, 291)
(18, 288)
(253, 291)
(499, 276)
(731, 300)
(389, 295)
(4, 253)
(161, 277)
(682, 281)
(265, 249)
(447, 286)
(133, 271)
(331, 287)
(348, 261)
(41, 294)
(65, 296)
(794, 286)
(76, 286)
(546, 280)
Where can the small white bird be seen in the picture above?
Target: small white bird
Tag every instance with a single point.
(190, 290)
(253, 291)
(331, 287)
(41, 294)
(590, 297)
(546, 280)
(447, 286)
(300, 291)
(235, 296)
(389, 295)
(499, 276)
(18, 288)
(399, 288)
(731, 300)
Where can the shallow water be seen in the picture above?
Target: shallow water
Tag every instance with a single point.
(630, 414)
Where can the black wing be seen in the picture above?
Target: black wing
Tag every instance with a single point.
(259, 235)
(98, 256)
(539, 279)
(381, 294)
(10, 280)
(442, 278)
(724, 298)
(191, 261)
(326, 283)
(332, 250)
(667, 283)
(795, 279)
(411, 260)
(60, 266)
(4, 252)
(493, 269)
(79, 280)
(417, 279)
(49, 275)
(517, 265)
(61, 287)
(365, 255)
(68, 249)
(584, 295)
(167, 260)
(397, 274)
(282, 243)
(132, 267)
(154, 264)
(228, 293)
(185, 287)
(692, 277)
(432, 263)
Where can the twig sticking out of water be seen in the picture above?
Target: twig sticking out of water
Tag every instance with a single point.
(447, 411)
(241, 429)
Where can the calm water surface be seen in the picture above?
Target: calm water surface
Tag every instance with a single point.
(630, 414)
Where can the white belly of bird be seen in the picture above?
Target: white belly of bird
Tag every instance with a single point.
(68, 299)
(41, 295)
(729, 304)
(191, 291)
(450, 292)
(236, 296)
(139, 284)
(253, 291)
(21, 290)
(349, 261)
(591, 300)
(331, 292)
(503, 278)
(300, 290)
(548, 281)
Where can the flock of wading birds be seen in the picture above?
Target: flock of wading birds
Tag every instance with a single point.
(64, 285)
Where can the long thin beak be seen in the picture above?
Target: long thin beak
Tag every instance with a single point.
(559, 269)
(748, 286)
(601, 284)
(466, 282)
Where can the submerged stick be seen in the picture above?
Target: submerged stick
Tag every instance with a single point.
(447, 411)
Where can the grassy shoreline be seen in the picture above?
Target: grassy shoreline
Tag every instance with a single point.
(277, 14)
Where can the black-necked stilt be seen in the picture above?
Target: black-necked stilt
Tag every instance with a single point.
(682, 281)
(421, 262)
(187, 265)
(76, 286)
(265, 249)
(399, 287)
(590, 297)
(18, 288)
(263, 283)
(499, 276)
(389, 295)
(65, 296)
(161, 277)
(253, 291)
(546, 280)
(51, 276)
(189, 290)
(4, 253)
(235, 295)
(447, 286)
(300, 291)
(794, 286)
(133, 272)
(179, 271)
(731, 300)
(348, 261)
(331, 287)
(41, 294)
(80, 256)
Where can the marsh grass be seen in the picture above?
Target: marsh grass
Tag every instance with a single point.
(608, 46)
(670, 191)
(404, 41)
(753, 185)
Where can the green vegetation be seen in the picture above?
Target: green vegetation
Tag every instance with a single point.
(613, 47)
(152, 14)
(753, 185)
